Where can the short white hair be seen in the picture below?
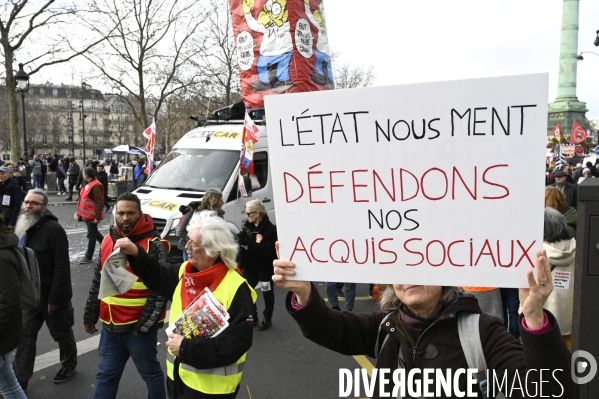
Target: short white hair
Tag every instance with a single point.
(257, 206)
(217, 239)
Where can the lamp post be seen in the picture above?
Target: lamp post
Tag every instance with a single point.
(22, 80)
(83, 116)
(579, 57)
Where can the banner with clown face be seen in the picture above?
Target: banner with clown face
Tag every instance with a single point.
(282, 47)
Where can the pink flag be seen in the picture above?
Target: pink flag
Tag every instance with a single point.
(150, 135)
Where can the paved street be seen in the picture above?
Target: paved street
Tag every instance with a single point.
(281, 363)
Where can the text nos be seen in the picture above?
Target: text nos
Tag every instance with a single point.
(396, 184)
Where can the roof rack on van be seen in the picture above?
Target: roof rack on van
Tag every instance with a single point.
(231, 114)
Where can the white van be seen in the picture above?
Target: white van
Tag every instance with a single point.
(205, 157)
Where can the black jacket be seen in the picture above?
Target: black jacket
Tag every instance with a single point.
(12, 197)
(11, 319)
(155, 302)
(570, 192)
(73, 172)
(261, 252)
(49, 241)
(359, 334)
(103, 178)
(223, 350)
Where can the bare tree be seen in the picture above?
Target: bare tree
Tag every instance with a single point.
(32, 32)
(349, 76)
(144, 61)
(216, 59)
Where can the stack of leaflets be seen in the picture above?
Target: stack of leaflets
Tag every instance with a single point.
(115, 278)
(204, 317)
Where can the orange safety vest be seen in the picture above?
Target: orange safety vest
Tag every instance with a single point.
(126, 308)
(86, 207)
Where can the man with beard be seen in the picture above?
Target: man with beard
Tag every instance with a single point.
(11, 197)
(38, 229)
(131, 320)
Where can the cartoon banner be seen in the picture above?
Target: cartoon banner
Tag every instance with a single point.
(282, 47)
(361, 201)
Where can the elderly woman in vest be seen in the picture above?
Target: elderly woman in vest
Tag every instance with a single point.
(561, 253)
(418, 329)
(202, 367)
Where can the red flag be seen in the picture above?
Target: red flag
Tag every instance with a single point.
(557, 132)
(248, 139)
(150, 135)
(578, 133)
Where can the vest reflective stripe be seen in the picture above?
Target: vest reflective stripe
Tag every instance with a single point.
(219, 380)
(112, 300)
(86, 207)
(125, 308)
(222, 371)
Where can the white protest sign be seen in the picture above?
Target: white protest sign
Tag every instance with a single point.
(433, 183)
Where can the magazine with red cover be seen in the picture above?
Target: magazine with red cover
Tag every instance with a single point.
(204, 317)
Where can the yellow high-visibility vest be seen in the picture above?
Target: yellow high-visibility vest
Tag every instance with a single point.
(219, 380)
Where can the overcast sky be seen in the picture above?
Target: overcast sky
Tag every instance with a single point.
(433, 40)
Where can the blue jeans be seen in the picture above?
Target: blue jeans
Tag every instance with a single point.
(282, 62)
(9, 387)
(61, 186)
(511, 302)
(114, 351)
(350, 295)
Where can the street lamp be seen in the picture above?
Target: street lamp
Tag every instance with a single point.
(579, 57)
(83, 116)
(22, 80)
(596, 43)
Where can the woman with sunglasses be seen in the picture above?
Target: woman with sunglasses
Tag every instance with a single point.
(257, 241)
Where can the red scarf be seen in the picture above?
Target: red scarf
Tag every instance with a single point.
(194, 283)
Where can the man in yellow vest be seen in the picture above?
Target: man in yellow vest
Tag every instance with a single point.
(131, 320)
(90, 209)
(198, 367)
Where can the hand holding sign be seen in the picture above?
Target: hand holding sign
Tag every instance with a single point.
(284, 268)
(533, 299)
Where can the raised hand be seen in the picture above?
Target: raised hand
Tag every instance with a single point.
(285, 268)
(533, 299)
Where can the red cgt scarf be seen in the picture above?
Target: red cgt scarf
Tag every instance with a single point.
(195, 281)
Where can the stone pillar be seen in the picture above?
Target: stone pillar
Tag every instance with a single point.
(566, 106)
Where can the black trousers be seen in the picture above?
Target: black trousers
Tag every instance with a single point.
(93, 235)
(253, 279)
(60, 324)
(71, 186)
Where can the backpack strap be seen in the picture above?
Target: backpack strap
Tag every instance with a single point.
(469, 332)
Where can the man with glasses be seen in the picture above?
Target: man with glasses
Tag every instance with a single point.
(11, 197)
(38, 229)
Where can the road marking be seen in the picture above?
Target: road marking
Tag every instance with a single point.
(364, 363)
(76, 231)
(53, 357)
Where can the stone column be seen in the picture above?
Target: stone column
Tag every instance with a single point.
(566, 106)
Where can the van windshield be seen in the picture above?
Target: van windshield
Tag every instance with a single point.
(194, 169)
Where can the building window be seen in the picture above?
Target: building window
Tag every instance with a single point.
(69, 104)
(95, 140)
(70, 139)
(55, 102)
(42, 102)
(44, 139)
(94, 104)
(68, 93)
(55, 92)
(94, 117)
(42, 92)
(5, 157)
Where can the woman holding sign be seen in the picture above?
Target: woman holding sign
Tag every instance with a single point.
(199, 367)
(434, 328)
